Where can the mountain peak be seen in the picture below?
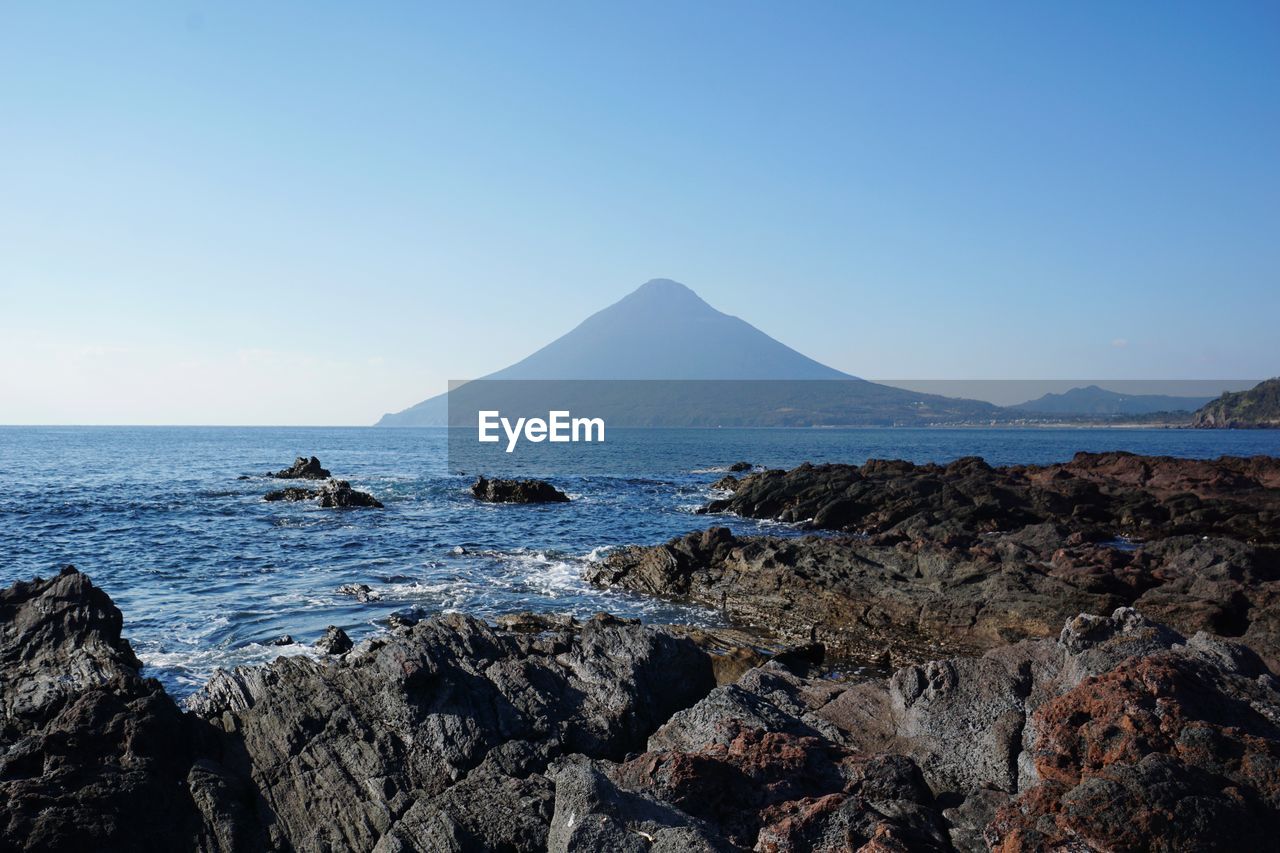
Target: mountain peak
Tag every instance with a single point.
(663, 292)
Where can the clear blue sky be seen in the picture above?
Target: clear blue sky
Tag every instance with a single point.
(318, 212)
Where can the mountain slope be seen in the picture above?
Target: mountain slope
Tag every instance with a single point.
(1094, 400)
(665, 331)
(1259, 407)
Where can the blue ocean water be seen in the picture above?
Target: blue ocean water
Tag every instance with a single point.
(208, 574)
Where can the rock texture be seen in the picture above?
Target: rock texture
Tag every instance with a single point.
(553, 734)
(937, 560)
(517, 491)
(1097, 496)
(333, 494)
(1259, 407)
(338, 494)
(303, 469)
(917, 600)
(92, 755)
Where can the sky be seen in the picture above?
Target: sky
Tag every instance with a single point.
(315, 213)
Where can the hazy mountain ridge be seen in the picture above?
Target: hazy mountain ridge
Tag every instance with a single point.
(1096, 400)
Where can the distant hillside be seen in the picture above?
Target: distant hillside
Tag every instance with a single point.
(1257, 408)
(665, 331)
(1094, 400)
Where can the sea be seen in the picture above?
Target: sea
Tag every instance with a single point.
(171, 522)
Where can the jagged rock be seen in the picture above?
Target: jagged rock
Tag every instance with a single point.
(283, 640)
(362, 592)
(727, 483)
(339, 494)
(421, 710)
(334, 494)
(293, 493)
(517, 491)
(93, 756)
(739, 467)
(303, 469)
(334, 641)
(861, 601)
(1119, 734)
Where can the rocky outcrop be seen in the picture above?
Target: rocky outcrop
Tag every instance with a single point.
(941, 560)
(1119, 735)
(918, 600)
(92, 755)
(303, 469)
(338, 494)
(517, 491)
(554, 734)
(334, 641)
(446, 730)
(1096, 496)
(334, 494)
(1257, 408)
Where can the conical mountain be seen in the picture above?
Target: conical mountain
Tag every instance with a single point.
(665, 331)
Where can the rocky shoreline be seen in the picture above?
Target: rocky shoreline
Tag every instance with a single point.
(1084, 658)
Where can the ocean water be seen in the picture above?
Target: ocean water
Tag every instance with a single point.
(208, 574)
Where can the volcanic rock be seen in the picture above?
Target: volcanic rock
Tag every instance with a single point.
(92, 755)
(334, 641)
(517, 491)
(293, 493)
(339, 494)
(303, 469)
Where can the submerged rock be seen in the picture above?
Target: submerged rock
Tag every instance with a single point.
(303, 469)
(517, 491)
(293, 493)
(362, 592)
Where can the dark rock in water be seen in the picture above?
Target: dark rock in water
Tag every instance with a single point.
(339, 494)
(739, 467)
(293, 493)
(335, 641)
(362, 591)
(517, 491)
(335, 494)
(303, 469)
(283, 640)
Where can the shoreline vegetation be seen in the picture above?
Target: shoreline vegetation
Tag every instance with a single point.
(958, 658)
